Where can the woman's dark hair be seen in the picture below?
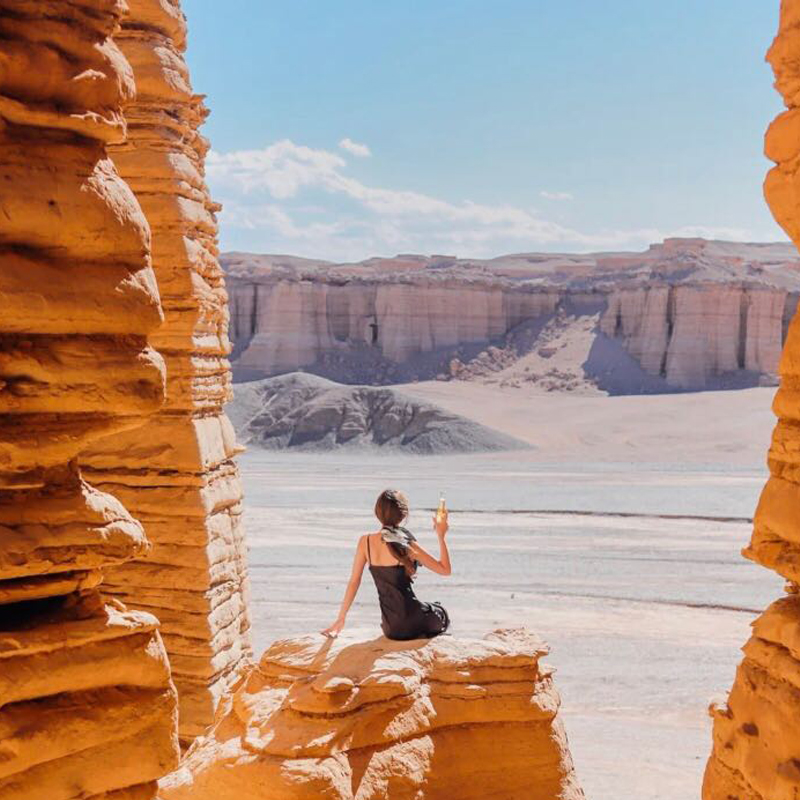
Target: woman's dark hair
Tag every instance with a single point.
(391, 508)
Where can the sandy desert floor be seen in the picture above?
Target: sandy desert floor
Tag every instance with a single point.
(616, 537)
(731, 427)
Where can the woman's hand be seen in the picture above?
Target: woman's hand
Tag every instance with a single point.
(334, 630)
(440, 565)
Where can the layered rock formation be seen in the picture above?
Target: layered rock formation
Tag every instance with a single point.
(429, 720)
(87, 708)
(756, 752)
(691, 313)
(306, 412)
(180, 479)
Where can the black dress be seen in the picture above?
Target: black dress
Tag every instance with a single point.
(403, 615)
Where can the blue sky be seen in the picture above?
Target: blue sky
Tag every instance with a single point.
(347, 129)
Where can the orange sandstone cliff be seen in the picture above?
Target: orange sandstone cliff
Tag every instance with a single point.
(442, 719)
(87, 708)
(179, 479)
(756, 752)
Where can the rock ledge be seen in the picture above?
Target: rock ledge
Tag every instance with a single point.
(440, 718)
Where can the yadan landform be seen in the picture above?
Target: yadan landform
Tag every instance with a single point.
(127, 672)
(687, 314)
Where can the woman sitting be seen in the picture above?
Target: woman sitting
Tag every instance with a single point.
(393, 555)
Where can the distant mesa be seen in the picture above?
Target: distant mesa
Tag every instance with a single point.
(306, 412)
(685, 315)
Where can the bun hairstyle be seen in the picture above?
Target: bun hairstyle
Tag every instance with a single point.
(391, 508)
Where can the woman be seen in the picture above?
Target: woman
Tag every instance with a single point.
(393, 555)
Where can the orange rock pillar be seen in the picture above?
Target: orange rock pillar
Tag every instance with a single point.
(87, 708)
(756, 752)
(180, 479)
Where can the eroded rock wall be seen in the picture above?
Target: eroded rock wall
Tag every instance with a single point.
(289, 324)
(692, 334)
(688, 335)
(756, 746)
(87, 707)
(424, 720)
(180, 479)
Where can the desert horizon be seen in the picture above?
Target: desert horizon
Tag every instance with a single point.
(779, 245)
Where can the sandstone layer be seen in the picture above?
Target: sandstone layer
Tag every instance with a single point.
(756, 753)
(428, 719)
(305, 412)
(687, 314)
(180, 479)
(87, 707)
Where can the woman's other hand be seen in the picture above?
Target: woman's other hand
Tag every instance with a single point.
(334, 630)
(440, 525)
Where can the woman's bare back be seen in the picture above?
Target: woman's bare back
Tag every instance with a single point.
(378, 552)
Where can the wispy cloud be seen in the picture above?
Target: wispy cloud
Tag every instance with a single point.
(355, 148)
(558, 196)
(292, 198)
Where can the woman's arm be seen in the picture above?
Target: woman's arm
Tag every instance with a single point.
(352, 589)
(441, 566)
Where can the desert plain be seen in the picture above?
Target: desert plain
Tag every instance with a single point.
(616, 536)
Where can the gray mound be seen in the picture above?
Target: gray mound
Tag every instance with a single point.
(301, 411)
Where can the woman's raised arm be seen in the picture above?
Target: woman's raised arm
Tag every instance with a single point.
(350, 592)
(440, 565)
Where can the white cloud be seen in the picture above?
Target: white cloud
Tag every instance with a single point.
(558, 196)
(281, 169)
(292, 198)
(356, 149)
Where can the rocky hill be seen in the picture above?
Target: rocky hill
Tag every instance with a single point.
(686, 314)
(310, 413)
